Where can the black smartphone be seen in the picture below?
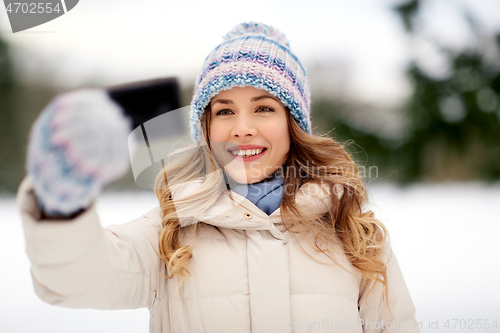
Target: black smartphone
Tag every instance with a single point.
(145, 100)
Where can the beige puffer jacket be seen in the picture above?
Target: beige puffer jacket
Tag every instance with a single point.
(247, 274)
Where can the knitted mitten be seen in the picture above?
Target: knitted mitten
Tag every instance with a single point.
(77, 145)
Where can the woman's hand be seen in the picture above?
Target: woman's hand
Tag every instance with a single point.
(77, 145)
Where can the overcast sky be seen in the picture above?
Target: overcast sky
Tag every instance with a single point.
(117, 41)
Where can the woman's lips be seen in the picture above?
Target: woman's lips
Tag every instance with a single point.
(247, 159)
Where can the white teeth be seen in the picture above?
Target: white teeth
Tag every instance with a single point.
(248, 152)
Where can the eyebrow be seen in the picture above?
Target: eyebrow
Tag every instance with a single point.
(253, 99)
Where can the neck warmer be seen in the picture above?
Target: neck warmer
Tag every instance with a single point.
(266, 194)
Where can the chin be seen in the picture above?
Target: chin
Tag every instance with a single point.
(244, 178)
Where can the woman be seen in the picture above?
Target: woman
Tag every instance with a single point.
(260, 226)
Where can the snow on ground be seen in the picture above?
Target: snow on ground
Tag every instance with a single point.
(445, 238)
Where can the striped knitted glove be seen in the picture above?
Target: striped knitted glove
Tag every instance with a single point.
(77, 145)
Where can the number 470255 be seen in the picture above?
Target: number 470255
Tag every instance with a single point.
(471, 324)
(33, 8)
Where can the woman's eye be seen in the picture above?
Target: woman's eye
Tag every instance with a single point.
(265, 108)
(222, 112)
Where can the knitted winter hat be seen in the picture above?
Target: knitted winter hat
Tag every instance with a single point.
(257, 55)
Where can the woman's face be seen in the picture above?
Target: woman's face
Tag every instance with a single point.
(249, 133)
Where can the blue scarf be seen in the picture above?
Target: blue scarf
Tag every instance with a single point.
(265, 194)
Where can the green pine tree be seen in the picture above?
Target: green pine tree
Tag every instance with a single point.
(454, 122)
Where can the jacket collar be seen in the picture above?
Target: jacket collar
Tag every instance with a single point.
(241, 213)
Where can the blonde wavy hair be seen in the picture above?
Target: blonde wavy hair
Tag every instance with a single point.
(362, 237)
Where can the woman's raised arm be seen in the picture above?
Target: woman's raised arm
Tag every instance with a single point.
(77, 145)
(78, 264)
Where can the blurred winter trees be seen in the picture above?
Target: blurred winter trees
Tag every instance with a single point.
(20, 102)
(9, 136)
(451, 119)
(454, 120)
(448, 128)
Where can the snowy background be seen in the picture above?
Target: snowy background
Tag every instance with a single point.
(445, 238)
(117, 41)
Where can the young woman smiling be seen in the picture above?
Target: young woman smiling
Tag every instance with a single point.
(250, 121)
(261, 225)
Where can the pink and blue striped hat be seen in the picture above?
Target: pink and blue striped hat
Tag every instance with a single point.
(257, 55)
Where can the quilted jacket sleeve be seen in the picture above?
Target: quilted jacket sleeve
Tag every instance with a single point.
(374, 314)
(79, 264)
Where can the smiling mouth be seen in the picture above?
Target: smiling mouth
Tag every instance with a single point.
(247, 153)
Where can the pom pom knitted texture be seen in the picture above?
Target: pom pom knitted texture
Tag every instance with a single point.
(77, 145)
(257, 55)
(248, 29)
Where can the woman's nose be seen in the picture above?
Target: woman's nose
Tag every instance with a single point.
(244, 127)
